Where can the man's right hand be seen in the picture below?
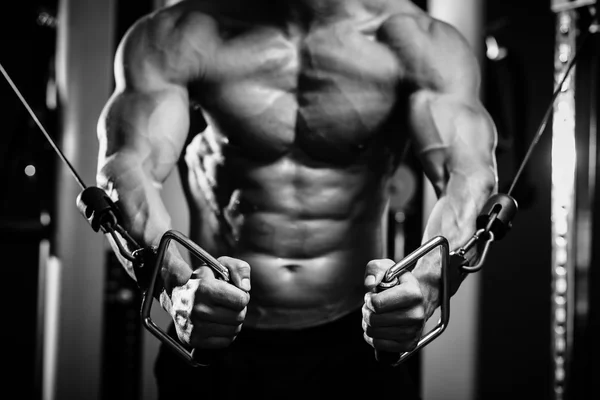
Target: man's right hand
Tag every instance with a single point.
(208, 312)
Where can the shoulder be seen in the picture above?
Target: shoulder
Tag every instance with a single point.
(432, 53)
(175, 42)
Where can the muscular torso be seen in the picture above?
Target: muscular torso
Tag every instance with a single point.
(304, 130)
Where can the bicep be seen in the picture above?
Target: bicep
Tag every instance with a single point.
(146, 120)
(454, 138)
(452, 131)
(150, 127)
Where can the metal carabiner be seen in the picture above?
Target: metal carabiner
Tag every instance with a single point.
(484, 253)
(494, 221)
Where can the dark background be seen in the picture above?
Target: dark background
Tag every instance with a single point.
(514, 354)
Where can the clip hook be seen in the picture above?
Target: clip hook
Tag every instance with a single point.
(494, 221)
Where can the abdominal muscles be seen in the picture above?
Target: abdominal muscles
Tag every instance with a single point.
(307, 233)
(302, 184)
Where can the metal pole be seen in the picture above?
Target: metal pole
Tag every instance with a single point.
(449, 365)
(83, 64)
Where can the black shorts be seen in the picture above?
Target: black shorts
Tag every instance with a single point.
(325, 362)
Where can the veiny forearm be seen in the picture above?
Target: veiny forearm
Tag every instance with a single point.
(141, 135)
(454, 217)
(463, 170)
(145, 216)
(125, 180)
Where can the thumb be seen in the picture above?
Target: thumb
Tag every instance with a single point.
(239, 272)
(375, 271)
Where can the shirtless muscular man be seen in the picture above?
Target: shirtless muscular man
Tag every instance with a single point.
(308, 105)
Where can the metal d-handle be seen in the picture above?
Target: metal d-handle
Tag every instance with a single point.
(192, 357)
(391, 279)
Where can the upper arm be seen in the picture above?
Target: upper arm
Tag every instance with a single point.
(146, 120)
(452, 132)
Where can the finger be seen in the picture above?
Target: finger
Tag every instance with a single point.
(205, 329)
(409, 331)
(405, 295)
(218, 293)
(239, 271)
(203, 313)
(375, 271)
(203, 272)
(404, 319)
(213, 342)
(391, 345)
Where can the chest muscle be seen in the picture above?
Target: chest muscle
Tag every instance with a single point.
(329, 93)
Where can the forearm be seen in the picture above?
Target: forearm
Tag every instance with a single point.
(453, 216)
(127, 183)
(141, 133)
(463, 171)
(455, 212)
(144, 214)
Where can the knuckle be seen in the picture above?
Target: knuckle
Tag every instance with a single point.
(243, 266)
(364, 325)
(241, 317)
(240, 300)
(420, 315)
(377, 304)
(236, 331)
(378, 264)
(417, 316)
(203, 289)
(414, 292)
(200, 312)
(224, 259)
(369, 319)
(234, 262)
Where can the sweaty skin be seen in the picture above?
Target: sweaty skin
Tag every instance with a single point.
(307, 107)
